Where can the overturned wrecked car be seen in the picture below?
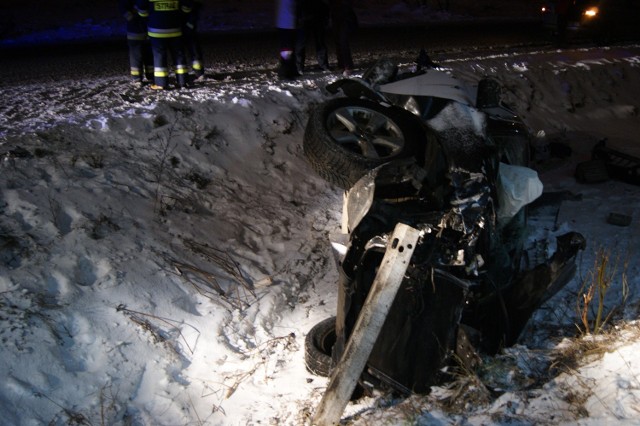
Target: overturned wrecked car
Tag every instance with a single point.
(448, 159)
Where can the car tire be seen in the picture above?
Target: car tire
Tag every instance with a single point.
(318, 345)
(345, 138)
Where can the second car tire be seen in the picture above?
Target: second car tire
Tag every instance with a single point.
(318, 345)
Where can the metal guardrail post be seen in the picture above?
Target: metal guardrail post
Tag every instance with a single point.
(367, 328)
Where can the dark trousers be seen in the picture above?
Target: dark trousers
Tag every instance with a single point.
(562, 24)
(344, 24)
(343, 47)
(317, 31)
(140, 59)
(163, 48)
(193, 50)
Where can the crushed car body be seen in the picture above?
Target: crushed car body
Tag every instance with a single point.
(449, 159)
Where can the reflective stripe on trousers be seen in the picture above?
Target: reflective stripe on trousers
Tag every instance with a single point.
(162, 49)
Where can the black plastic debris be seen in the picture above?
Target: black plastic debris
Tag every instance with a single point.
(592, 171)
(619, 219)
(620, 166)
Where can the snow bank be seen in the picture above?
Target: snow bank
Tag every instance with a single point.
(162, 255)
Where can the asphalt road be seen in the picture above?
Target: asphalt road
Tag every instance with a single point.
(236, 54)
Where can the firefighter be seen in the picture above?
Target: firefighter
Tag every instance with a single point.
(192, 41)
(140, 56)
(164, 27)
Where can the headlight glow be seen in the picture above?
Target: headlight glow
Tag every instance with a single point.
(592, 12)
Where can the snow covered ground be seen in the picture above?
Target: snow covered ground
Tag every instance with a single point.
(163, 255)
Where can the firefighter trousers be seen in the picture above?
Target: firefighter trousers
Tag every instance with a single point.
(163, 48)
(140, 59)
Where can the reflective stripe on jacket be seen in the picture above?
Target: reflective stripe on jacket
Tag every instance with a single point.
(165, 17)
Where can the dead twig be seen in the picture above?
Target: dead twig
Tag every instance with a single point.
(200, 422)
(263, 352)
(241, 296)
(224, 260)
(217, 393)
(74, 417)
(105, 407)
(139, 318)
(182, 267)
(204, 281)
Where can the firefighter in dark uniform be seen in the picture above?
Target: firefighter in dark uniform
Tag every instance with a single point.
(140, 56)
(164, 27)
(192, 44)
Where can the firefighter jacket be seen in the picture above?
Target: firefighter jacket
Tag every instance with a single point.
(165, 17)
(136, 25)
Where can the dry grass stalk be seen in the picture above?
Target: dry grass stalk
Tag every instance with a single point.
(598, 282)
(73, 417)
(210, 279)
(465, 389)
(158, 334)
(224, 260)
(580, 351)
(263, 353)
(108, 404)
(203, 282)
(577, 352)
(241, 296)
(164, 147)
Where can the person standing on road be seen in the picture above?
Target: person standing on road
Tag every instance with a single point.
(314, 21)
(563, 8)
(193, 48)
(164, 27)
(140, 56)
(344, 23)
(286, 23)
